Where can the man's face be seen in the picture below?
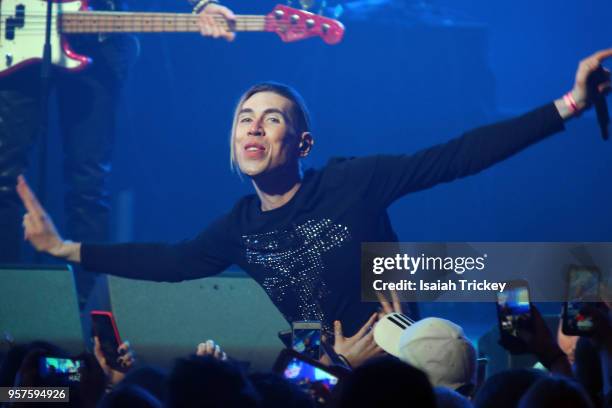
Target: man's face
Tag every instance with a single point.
(263, 139)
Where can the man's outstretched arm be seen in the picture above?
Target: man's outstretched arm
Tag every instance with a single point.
(390, 177)
(155, 261)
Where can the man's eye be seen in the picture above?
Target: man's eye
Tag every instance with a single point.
(245, 120)
(274, 119)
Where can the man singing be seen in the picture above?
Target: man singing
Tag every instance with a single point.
(299, 235)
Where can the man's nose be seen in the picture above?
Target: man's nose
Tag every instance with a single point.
(256, 129)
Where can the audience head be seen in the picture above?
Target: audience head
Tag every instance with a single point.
(276, 392)
(447, 398)
(206, 382)
(129, 396)
(380, 382)
(555, 392)
(505, 389)
(149, 378)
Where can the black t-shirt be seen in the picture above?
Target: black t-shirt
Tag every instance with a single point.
(306, 254)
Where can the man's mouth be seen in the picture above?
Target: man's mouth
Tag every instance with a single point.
(254, 147)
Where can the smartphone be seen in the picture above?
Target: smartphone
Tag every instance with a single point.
(514, 314)
(60, 367)
(306, 338)
(582, 288)
(105, 328)
(313, 377)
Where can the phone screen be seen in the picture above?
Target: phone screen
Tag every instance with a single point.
(513, 309)
(104, 328)
(60, 367)
(583, 288)
(306, 339)
(306, 375)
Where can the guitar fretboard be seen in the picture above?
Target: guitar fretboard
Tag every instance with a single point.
(107, 22)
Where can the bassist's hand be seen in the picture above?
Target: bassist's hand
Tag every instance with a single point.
(216, 21)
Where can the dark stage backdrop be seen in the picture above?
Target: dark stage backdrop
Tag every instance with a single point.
(393, 85)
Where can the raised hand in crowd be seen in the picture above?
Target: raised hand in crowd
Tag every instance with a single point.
(385, 307)
(540, 341)
(209, 348)
(567, 343)
(215, 20)
(358, 348)
(126, 359)
(602, 325)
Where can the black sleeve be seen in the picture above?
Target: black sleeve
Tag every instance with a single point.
(205, 255)
(393, 176)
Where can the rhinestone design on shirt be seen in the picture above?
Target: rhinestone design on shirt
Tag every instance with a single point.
(293, 263)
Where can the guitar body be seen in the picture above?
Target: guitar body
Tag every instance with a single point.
(22, 35)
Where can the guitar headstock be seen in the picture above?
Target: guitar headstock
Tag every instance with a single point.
(294, 25)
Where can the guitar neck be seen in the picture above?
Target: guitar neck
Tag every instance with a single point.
(113, 22)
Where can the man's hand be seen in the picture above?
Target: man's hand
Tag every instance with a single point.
(386, 307)
(37, 225)
(589, 66)
(567, 343)
(211, 23)
(209, 348)
(589, 69)
(126, 359)
(540, 341)
(602, 324)
(39, 229)
(360, 347)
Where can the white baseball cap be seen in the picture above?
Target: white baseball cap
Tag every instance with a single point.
(440, 348)
(389, 329)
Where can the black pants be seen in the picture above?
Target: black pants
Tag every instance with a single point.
(86, 103)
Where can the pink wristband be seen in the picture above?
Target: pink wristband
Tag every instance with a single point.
(569, 100)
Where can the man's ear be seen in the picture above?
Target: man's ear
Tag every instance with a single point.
(306, 143)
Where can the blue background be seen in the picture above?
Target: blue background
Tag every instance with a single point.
(396, 84)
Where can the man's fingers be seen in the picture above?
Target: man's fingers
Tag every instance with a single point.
(97, 345)
(201, 349)
(602, 55)
(28, 198)
(384, 303)
(225, 12)
(123, 347)
(205, 24)
(338, 331)
(367, 326)
(28, 228)
(367, 339)
(218, 9)
(397, 305)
